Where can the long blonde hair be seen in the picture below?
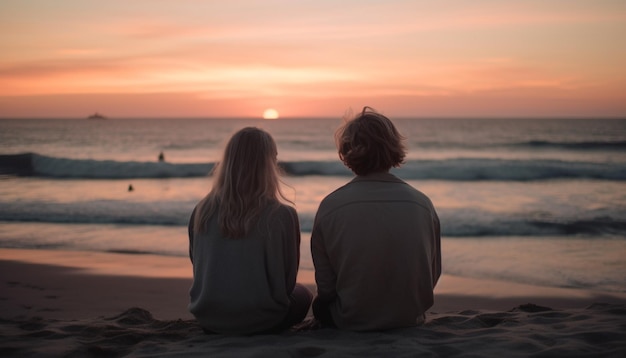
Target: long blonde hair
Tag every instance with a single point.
(245, 182)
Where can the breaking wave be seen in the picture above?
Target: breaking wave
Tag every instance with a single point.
(460, 222)
(462, 169)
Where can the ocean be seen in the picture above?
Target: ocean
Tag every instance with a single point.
(538, 201)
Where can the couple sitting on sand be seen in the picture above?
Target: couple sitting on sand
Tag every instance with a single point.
(375, 241)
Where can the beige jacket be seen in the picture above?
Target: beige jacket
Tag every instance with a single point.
(377, 253)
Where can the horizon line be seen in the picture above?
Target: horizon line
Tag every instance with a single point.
(403, 117)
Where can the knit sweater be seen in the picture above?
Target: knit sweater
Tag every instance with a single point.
(242, 285)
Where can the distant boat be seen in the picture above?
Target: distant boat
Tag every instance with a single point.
(96, 116)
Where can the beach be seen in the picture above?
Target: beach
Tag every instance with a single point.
(116, 120)
(532, 219)
(75, 303)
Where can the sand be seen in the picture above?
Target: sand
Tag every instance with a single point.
(60, 303)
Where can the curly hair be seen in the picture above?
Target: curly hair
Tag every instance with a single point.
(370, 143)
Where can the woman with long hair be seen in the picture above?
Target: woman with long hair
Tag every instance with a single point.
(244, 244)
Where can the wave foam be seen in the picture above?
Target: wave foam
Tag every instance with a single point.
(456, 223)
(462, 169)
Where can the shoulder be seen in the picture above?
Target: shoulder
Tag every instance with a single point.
(286, 209)
(342, 191)
(282, 220)
(414, 195)
(283, 213)
(333, 199)
(420, 197)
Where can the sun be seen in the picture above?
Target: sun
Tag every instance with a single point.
(270, 113)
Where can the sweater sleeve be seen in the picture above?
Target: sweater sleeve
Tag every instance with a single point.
(436, 255)
(190, 230)
(325, 276)
(292, 250)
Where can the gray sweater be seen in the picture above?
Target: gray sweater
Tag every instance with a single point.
(242, 285)
(377, 253)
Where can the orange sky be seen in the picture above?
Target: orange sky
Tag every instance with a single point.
(145, 58)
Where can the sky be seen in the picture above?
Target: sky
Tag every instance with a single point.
(320, 58)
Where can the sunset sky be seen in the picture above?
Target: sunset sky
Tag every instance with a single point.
(450, 58)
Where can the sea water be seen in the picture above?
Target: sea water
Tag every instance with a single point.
(539, 201)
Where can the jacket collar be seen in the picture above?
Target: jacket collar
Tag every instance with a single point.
(380, 176)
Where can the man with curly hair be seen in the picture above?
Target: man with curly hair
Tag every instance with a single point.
(376, 240)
